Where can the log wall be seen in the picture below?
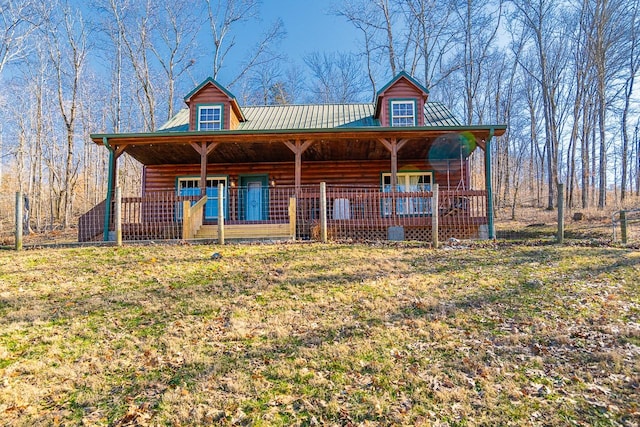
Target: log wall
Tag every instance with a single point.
(368, 173)
(402, 89)
(212, 95)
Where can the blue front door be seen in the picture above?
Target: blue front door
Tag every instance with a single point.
(254, 201)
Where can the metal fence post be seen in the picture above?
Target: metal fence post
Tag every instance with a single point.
(19, 208)
(560, 237)
(221, 203)
(323, 212)
(623, 227)
(118, 216)
(434, 216)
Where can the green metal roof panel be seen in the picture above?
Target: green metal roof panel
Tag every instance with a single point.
(177, 123)
(436, 114)
(321, 116)
(325, 116)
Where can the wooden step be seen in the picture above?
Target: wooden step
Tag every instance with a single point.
(247, 231)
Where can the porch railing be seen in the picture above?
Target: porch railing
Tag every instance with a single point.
(367, 213)
(358, 213)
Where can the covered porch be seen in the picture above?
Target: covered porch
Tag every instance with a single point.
(349, 212)
(291, 167)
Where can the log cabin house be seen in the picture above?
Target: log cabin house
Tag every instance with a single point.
(258, 170)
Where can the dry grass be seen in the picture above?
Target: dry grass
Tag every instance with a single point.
(311, 334)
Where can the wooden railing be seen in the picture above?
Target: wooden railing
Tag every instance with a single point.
(192, 217)
(165, 215)
(91, 224)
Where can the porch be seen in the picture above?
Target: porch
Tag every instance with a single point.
(288, 212)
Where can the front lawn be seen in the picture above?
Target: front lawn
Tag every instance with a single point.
(313, 334)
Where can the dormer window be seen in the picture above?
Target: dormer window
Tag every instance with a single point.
(209, 117)
(403, 113)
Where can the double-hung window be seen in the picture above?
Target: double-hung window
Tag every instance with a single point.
(403, 113)
(209, 117)
(412, 204)
(189, 186)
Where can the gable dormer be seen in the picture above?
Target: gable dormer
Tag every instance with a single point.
(401, 102)
(212, 107)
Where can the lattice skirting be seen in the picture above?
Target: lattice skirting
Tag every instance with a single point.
(151, 231)
(410, 233)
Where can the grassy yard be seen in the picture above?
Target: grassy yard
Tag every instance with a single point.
(312, 334)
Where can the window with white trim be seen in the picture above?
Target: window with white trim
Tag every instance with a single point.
(408, 182)
(210, 117)
(190, 186)
(403, 113)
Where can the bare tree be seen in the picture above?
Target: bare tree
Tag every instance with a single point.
(608, 44)
(271, 85)
(548, 34)
(636, 139)
(434, 37)
(225, 16)
(18, 20)
(68, 37)
(479, 23)
(335, 78)
(133, 25)
(633, 64)
(364, 18)
(175, 31)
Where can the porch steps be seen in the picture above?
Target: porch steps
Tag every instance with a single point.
(247, 231)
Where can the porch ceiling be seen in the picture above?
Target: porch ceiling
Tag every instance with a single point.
(175, 148)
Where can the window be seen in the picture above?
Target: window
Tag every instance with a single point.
(403, 113)
(191, 187)
(209, 117)
(408, 182)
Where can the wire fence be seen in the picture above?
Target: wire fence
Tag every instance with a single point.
(7, 218)
(625, 226)
(366, 213)
(362, 213)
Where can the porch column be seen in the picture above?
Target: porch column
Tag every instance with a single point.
(298, 147)
(487, 177)
(204, 149)
(393, 145)
(114, 154)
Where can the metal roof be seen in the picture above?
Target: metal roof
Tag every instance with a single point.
(436, 114)
(320, 116)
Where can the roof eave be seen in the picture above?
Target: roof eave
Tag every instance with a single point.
(371, 131)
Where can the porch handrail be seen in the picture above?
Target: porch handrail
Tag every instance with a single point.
(292, 216)
(91, 224)
(192, 217)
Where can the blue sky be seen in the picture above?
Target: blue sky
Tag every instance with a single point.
(310, 26)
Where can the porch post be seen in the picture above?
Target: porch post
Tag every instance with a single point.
(203, 169)
(394, 164)
(19, 225)
(323, 212)
(221, 202)
(298, 166)
(298, 147)
(118, 216)
(393, 146)
(110, 178)
(487, 177)
(434, 216)
(204, 149)
(114, 154)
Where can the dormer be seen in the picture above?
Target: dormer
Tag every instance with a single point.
(401, 102)
(212, 107)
